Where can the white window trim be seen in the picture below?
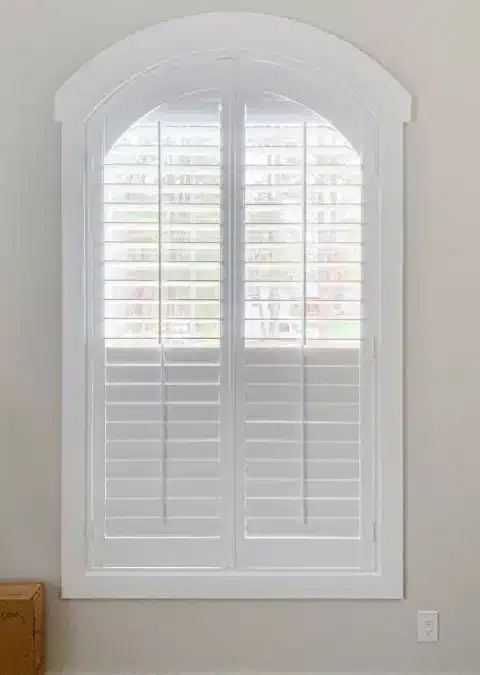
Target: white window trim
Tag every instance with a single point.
(310, 50)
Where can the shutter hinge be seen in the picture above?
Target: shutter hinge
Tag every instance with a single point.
(374, 531)
(379, 201)
(374, 348)
(376, 153)
(90, 529)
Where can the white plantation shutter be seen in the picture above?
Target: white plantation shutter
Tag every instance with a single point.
(233, 320)
(299, 371)
(162, 275)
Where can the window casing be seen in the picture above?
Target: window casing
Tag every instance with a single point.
(233, 422)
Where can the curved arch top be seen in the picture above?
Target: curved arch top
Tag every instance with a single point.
(229, 34)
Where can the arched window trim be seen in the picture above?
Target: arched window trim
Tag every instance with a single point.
(229, 34)
(83, 101)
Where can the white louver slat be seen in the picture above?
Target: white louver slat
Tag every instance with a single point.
(298, 378)
(162, 325)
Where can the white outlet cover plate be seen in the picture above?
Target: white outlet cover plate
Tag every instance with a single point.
(427, 626)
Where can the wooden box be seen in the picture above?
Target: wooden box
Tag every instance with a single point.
(22, 628)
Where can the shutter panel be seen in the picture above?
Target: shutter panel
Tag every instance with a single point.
(301, 365)
(185, 277)
(162, 276)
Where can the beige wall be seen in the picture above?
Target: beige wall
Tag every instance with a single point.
(433, 47)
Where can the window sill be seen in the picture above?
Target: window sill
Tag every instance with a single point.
(124, 584)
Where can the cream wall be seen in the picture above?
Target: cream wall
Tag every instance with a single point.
(433, 48)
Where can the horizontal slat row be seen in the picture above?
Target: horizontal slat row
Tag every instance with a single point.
(291, 489)
(148, 449)
(186, 488)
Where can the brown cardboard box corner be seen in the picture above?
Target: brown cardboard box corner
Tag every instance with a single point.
(22, 642)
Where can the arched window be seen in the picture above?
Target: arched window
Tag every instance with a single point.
(232, 316)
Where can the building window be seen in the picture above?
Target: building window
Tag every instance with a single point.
(242, 314)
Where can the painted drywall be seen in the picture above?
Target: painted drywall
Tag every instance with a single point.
(432, 47)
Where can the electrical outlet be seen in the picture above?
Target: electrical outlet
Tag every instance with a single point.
(427, 626)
